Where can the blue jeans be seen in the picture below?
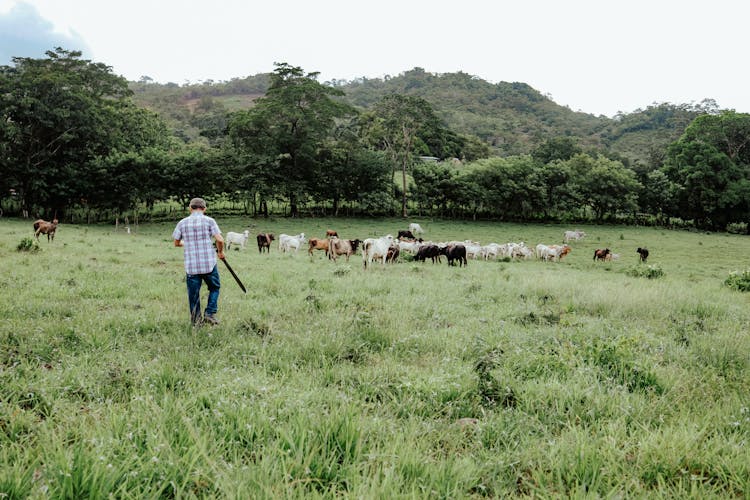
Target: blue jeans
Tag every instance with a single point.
(194, 293)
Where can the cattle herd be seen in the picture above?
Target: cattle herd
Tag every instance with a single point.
(388, 249)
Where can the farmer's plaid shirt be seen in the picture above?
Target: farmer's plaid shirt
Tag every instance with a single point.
(195, 232)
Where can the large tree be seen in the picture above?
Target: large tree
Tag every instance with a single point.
(512, 187)
(348, 171)
(605, 185)
(60, 113)
(405, 126)
(710, 164)
(283, 132)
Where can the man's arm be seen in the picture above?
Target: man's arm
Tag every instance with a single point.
(178, 243)
(219, 245)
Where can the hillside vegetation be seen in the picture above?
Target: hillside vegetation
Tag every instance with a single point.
(367, 145)
(512, 117)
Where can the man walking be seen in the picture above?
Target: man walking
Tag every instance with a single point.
(194, 234)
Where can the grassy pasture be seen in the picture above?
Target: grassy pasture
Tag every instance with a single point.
(413, 380)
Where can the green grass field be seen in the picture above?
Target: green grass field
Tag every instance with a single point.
(413, 380)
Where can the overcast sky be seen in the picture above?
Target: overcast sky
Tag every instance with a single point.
(596, 56)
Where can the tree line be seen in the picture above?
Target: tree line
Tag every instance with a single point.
(71, 137)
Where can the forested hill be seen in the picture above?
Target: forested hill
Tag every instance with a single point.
(512, 117)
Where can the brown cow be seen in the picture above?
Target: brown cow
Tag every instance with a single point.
(330, 233)
(393, 253)
(342, 247)
(318, 244)
(565, 250)
(264, 241)
(41, 226)
(558, 252)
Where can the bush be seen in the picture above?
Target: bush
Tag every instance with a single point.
(739, 280)
(651, 272)
(28, 244)
(737, 228)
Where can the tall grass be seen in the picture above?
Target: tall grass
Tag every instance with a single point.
(413, 380)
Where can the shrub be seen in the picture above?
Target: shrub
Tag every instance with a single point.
(342, 271)
(737, 228)
(652, 271)
(28, 244)
(739, 280)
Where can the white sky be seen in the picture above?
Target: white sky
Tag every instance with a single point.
(597, 56)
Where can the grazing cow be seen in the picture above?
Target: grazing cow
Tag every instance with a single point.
(494, 250)
(473, 248)
(41, 226)
(553, 252)
(264, 241)
(411, 247)
(393, 252)
(612, 256)
(330, 233)
(415, 228)
(288, 243)
(342, 247)
(643, 253)
(521, 251)
(318, 244)
(376, 248)
(602, 254)
(455, 252)
(430, 251)
(237, 238)
(543, 252)
(405, 235)
(573, 235)
(562, 251)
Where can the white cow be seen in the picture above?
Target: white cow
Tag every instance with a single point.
(492, 251)
(521, 251)
(544, 252)
(237, 238)
(473, 248)
(288, 243)
(553, 252)
(415, 228)
(409, 246)
(573, 235)
(376, 248)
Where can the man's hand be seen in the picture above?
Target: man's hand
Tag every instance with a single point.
(220, 246)
(178, 243)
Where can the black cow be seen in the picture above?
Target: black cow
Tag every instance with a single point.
(455, 252)
(643, 253)
(264, 241)
(428, 251)
(405, 235)
(601, 254)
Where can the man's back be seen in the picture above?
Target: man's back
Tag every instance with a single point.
(195, 232)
